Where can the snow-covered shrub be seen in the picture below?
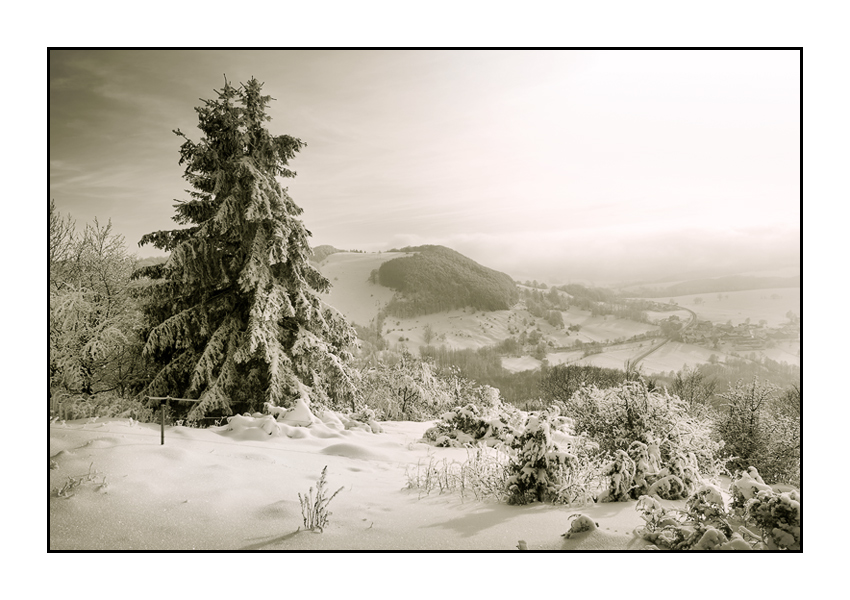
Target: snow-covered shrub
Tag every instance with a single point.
(654, 444)
(706, 505)
(300, 414)
(582, 481)
(542, 468)
(536, 460)
(621, 472)
(678, 479)
(702, 526)
(239, 423)
(745, 488)
(776, 514)
(468, 424)
(635, 473)
(618, 416)
(761, 427)
(104, 405)
(404, 389)
(646, 460)
(363, 419)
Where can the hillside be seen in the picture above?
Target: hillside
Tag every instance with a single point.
(351, 292)
(437, 279)
(320, 253)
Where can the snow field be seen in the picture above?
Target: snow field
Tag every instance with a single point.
(221, 489)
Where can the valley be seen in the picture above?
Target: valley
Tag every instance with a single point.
(678, 331)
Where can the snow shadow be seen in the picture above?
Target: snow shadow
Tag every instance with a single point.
(271, 542)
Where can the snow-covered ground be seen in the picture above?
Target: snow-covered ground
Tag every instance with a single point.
(222, 489)
(228, 490)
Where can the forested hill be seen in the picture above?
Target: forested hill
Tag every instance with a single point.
(320, 253)
(436, 279)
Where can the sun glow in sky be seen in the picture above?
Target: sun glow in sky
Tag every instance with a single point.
(555, 165)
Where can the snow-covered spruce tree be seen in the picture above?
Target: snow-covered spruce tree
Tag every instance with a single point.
(235, 317)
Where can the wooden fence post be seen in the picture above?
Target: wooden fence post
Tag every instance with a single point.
(162, 405)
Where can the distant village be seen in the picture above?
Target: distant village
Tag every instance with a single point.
(746, 335)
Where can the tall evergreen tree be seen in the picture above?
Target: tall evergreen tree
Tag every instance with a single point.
(235, 316)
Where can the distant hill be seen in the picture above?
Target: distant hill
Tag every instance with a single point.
(151, 261)
(320, 253)
(720, 284)
(436, 279)
(150, 267)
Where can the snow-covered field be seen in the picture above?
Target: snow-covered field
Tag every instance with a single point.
(770, 305)
(221, 489)
(351, 293)
(673, 356)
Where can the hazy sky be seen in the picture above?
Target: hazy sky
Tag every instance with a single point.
(555, 165)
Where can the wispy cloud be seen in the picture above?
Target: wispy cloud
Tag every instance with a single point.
(610, 159)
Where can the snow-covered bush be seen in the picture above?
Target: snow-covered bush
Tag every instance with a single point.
(761, 427)
(646, 459)
(617, 416)
(702, 526)
(303, 414)
(637, 472)
(705, 522)
(706, 505)
(621, 472)
(104, 405)
(239, 423)
(363, 419)
(678, 479)
(407, 389)
(745, 488)
(469, 424)
(655, 445)
(542, 468)
(776, 514)
(404, 387)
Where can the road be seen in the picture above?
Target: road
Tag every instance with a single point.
(632, 363)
